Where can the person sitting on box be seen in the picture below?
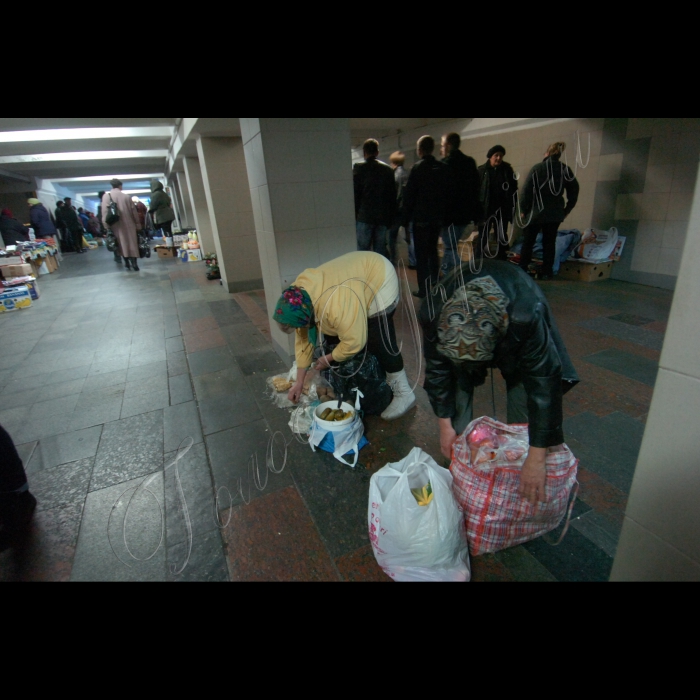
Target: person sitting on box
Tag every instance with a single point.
(497, 318)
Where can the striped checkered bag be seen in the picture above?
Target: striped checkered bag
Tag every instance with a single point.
(497, 517)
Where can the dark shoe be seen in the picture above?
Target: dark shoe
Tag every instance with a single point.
(118, 259)
(135, 264)
(127, 263)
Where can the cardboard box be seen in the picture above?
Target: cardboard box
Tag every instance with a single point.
(21, 270)
(190, 255)
(30, 284)
(51, 263)
(165, 252)
(15, 299)
(585, 272)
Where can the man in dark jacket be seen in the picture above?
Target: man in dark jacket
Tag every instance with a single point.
(375, 200)
(11, 230)
(497, 190)
(543, 208)
(397, 160)
(61, 227)
(40, 219)
(70, 220)
(425, 201)
(497, 318)
(463, 205)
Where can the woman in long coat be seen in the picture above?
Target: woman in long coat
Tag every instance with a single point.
(128, 225)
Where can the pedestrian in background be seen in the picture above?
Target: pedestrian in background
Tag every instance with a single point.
(40, 219)
(375, 200)
(125, 230)
(542, 205)
(69, 216)
(161, 208)
(497, 190)
(61, 227)
(463, 206)
(12, 231)
(397, 161)
(424, 206)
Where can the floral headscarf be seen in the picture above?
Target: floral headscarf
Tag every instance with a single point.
(296, 309)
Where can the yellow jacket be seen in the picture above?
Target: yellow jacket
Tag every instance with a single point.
(341, 291)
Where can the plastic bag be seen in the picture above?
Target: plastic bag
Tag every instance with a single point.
(596, 246)
(415, 542)
(364, 373)
(315, 388)
(348, 440)
(487, 482)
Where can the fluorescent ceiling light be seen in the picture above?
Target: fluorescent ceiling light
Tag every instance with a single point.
(95, 194)
(146, 176)
(80, 134)
(82, 155)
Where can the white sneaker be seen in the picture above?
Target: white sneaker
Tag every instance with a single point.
(404, 398)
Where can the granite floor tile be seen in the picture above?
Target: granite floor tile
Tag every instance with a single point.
(632, 319)
(57, 391)
(65, 448)
(336, 496)
(180, 422)
(625, 331)
(36, 381)
(48, 548)
(635, 367)
(26, 451)
(147, 385)
(361, 566)
(224, 412)
(102, 381)
(129, 448)
(98, 414)
(602, 496)
(575, 559)
(172, 329)
(211, 360)
(189, 311)
(112, 364)
(195, 342)
(205, 563)
(599, 530)
(233, 454)
(147, 358)
(523, 566)
(101, 554)
(488, 569)
(180, 389)
(20, 398)
(219, 384)
(62, 485)
(31, 430)
(60, 407)
(145, 403)
(253, 363)
(199, 325)
(274, 539)
(194, 474)
(244, 338)
(174, 345)
(177, 364)
(144, 372)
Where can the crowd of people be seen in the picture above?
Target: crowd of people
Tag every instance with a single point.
(442, 198)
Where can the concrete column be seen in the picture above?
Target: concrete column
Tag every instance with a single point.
(300, 173)
(186, 201)
(175, 191)
(230, 211)
(200, 208)
(660, 538)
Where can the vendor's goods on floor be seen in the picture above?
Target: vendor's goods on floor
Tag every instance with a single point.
(583, 271)
(361, 373)
(487, 460)
(412, 539)
(343, 439)
(165, 252)
(29, 282)
(15, 299)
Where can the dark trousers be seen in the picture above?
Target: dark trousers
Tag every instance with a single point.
(77, 237)
(381, 342)
(167, 228)
(425, 239)
(482, 247)
(12, 476)
(549, 246)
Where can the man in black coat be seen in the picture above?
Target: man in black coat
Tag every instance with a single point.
(70, 220)
(425, 204)
(463, 205)
(497, 318)
(375, 200)
(497, 189)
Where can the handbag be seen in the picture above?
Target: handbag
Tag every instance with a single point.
(112, 212)
(112, 244)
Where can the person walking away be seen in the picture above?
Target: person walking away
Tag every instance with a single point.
(75, 228)
(84, 219)
(463, 206)
(397, 160)
(497, 318)
(143, 212)
(17, 505)
(161, 208)
(347, 298)
(542, 205)
(61, 227)
(497, 190)
(424, 206)
(11, 230)
(375, 200)
(125, 230)
(41, 219)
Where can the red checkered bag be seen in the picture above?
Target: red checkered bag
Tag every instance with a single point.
(497, 517)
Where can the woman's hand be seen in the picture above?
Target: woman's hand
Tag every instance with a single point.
(324, 362)
(295, 392)
(534, 476)
(448, 436)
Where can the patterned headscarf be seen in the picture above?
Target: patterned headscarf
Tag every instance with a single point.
(296, 309)
(473, 321)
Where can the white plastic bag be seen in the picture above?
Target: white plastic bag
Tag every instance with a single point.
(413, 542)
(345, 440)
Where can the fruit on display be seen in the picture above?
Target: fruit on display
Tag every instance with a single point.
(335, 415)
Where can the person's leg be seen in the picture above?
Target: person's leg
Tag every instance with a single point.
(393, 236)
(529, 238)
(517, 401)
(451, 237)
(503, 245)
(411, 247)
(464, 402)
(433, 259)
(16, 503)
(379, 235)
(167, 229)
(364, 236)
(549, 247)
(421, 242)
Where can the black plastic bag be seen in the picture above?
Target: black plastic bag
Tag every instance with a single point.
(362, 372)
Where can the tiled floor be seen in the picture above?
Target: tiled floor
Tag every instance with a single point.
(111, 371)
